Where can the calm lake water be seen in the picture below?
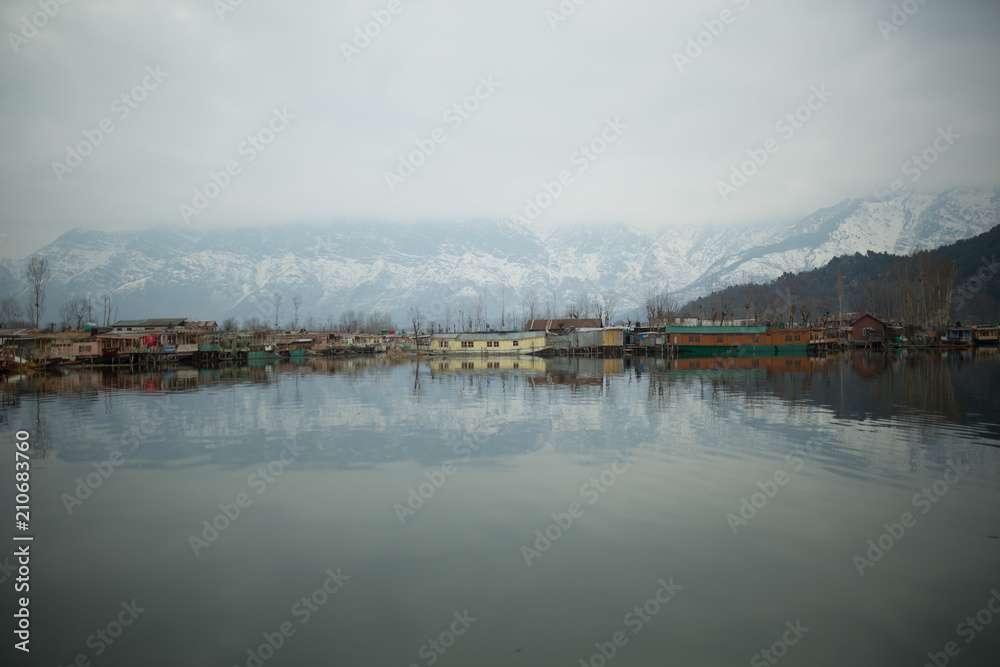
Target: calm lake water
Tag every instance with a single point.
(840, 511)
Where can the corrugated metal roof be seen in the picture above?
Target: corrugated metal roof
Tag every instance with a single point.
(715, 330)
(512, 335)
(563, 323)
(154, 322)
(22, 332)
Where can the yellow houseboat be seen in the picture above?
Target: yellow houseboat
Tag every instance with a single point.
(486, 343)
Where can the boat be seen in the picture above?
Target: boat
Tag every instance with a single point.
(988, 335)
(744, 340)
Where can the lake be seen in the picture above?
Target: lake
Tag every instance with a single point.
(804, 510)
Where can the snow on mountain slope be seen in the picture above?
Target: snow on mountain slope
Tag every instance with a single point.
(442, 268)
(899, 226)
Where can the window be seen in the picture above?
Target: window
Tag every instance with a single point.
(697, 339)
(516, 365)
(468, 365)
(442, 343)
(690, 339)
(493, 364)
(467, 343)
(516, 343)
(719, 339)
(755, 339)
(788, 339)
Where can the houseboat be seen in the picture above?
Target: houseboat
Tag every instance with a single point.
(986, 335)
(960, 337)
(744, 341)
(487, 343)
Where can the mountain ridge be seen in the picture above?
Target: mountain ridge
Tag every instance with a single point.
(446, 267)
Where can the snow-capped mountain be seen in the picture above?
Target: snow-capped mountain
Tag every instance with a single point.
(444, 268)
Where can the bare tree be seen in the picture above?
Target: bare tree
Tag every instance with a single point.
(229, 325)
(276, 299)
(378, 321)
(598, 308)
(478, 307)
(658, 306)
(74, 313)
(787, 291)
(727, 304)
(572, 307)
(840, 296)
(531, 301)
(416, 318)
(351, 322)
(713, 301)
(11, 311)
(609, 307)
(296, 304)
(254, 323)
(38, 278)
(110, 313)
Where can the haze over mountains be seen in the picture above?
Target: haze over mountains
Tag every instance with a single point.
(367, 266)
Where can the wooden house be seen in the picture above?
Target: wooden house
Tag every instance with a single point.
(868, 331)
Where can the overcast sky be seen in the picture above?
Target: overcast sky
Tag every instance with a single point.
(339, 111)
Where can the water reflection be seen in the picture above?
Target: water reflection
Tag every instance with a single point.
(857, 434)
(417, 407)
